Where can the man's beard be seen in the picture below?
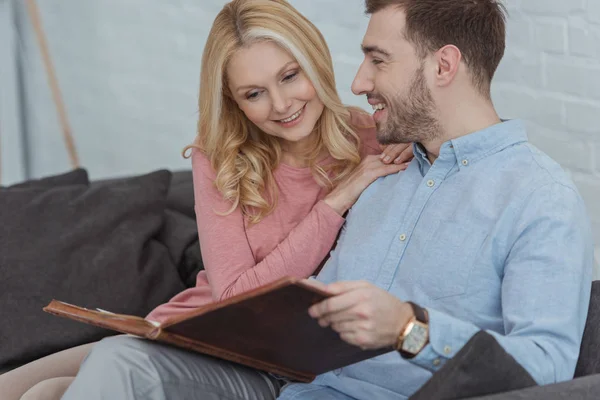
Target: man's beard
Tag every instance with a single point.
(410, 118)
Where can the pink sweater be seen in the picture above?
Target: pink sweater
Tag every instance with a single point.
(291, 241)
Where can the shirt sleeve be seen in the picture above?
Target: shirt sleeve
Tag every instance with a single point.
(545, 291)
(228, 258)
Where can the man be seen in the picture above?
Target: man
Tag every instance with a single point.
(481, 232)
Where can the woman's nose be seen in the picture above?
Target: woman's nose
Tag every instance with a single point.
(281, 103)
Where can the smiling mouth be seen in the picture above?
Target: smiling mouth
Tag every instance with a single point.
(378, 107)
(292, 117)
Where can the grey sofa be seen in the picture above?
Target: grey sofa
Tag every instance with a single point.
(169, 250)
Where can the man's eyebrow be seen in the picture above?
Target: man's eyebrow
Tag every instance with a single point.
(374, 49)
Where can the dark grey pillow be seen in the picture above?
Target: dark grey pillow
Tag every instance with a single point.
(90, 246)
(181, 200)
(179, 232)
(180, 236)
(481, 367)
(181, 193)
(180, 197)
(74, 177)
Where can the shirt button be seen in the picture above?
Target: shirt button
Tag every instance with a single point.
(337, 371)
(403, 237)
(430, 183)
(447, 349)
(465, 162)
(436, 362)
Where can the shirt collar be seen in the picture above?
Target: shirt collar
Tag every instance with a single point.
(475, 146)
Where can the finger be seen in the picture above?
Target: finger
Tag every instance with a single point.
(361, 325)
(346, 316)
(387, 169)
(390, 153)
(342, 326)
(346, 286)
(369, 162)
(373, 159)
(356, 339)
(385, 158)
(398, 150)
(372, 172)
(405, 155)
(383, 147)
(349, 337)
(335, 304)
(352, 318)
(404, 166)
(345, 326)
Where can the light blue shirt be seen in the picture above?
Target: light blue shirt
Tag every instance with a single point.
(493, 235)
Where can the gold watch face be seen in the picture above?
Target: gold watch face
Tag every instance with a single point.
(416, 339)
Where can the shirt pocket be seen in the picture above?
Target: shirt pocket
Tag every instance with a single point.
(449, 258)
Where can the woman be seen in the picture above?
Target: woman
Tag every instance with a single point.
(277, 162)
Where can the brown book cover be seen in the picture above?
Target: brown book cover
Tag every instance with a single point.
(267, 328)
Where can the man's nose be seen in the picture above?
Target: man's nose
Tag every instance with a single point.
(363, 82)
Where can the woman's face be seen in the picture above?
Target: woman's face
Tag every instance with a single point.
(271, 89)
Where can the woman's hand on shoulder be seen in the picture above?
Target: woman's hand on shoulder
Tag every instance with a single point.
(400, 153)
(345, 194)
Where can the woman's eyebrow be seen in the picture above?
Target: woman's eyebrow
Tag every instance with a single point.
(246, 87)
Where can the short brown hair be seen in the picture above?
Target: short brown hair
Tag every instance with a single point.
(476, 27)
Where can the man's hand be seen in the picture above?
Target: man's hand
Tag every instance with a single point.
(363, 314)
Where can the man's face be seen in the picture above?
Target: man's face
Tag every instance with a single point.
(394, 79)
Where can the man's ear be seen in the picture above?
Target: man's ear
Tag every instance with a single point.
(447, 60)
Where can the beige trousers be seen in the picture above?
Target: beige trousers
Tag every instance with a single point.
(44, 379)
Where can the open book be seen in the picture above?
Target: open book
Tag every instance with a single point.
(267, 328)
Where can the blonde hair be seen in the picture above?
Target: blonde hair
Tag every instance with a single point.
(242, 155)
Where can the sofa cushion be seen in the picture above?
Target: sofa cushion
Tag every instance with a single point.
(92, 246)
(179, 232)
(589, 355)
(181, 193)
(180, 196)
(181, 215)
(77, 176)
(180, 235)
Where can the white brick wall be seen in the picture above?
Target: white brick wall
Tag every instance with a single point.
(550, 76)
(129, 74)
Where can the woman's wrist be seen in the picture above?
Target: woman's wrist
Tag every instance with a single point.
(337, 205)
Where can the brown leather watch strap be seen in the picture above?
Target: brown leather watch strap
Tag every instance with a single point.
(420, 313)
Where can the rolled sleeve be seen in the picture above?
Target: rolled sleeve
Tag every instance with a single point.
(447, 335)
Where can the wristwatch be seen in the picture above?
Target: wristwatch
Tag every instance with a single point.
(415, 335)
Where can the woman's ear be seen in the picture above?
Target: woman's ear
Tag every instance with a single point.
(447, 59)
